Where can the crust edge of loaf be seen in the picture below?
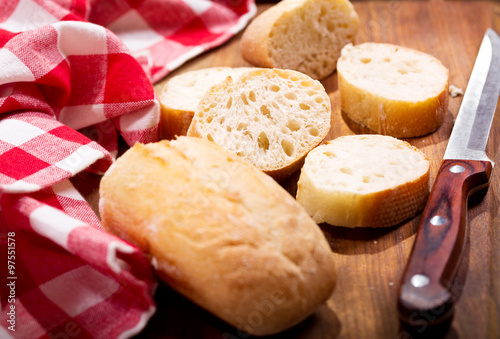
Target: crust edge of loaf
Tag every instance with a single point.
(391, 117)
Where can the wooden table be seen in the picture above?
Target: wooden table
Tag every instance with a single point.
(370, 261)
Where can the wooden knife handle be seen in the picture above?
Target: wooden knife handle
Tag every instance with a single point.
(426, 290)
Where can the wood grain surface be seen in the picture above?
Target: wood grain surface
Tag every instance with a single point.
(370, 262)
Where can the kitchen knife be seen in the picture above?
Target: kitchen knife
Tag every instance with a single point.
(427, 292)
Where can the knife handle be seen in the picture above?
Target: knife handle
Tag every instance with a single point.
(426, 290)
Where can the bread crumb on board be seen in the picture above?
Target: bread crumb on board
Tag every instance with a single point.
(455, 91)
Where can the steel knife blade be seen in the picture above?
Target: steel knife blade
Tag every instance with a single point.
(427, 286)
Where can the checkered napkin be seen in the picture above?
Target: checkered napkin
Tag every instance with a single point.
(75, 76)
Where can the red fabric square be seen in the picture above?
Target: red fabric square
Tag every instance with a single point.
(18, 164)
(134, 3)
(166, 17)
(194, 33)
(124, 73)
(46, 196)
(69, 134)
(55, 86)
(5, 36)
(9, 104)
(87, 79)
(78, 10)
(237, 6)
(105, 12)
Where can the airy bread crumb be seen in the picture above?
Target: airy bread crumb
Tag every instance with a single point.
(455, 91)
(181, 94)
(270, 117)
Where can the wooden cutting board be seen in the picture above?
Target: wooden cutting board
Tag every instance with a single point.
(370, 261)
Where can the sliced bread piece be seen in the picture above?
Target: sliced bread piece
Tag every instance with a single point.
(270, 117)
(220, 232)
(180, 96)
(364, 181)
(392, 90)
(303, 35)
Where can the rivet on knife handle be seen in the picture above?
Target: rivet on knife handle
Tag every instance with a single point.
(426, 291)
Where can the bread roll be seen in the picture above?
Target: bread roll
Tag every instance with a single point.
(303, 35)
(181, 94)
(270, 117)
(220, 232)
(393, 90)
(364, 181)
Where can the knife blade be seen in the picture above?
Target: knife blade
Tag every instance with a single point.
(426, 290)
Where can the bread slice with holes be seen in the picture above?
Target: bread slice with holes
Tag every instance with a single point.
(270, 117)
(303, 35)
(180, 96)
(220, 232)
(393, 90)
(364, 181)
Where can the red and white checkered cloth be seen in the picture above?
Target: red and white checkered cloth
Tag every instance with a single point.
(74, 76)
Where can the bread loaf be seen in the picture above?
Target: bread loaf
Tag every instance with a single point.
(393, 90)
(270, 117)
(220, 232)
(181, 94)
(364, 181)
(303, 35)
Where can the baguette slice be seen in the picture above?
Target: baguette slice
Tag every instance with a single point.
(364, 181)
(270, 117)
(303, 35)
(180, 96)
(393, 90)
(220, 232)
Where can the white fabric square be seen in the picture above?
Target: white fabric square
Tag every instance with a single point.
(3, 332)
(17, 132)
(80, 159)
(13, 69)
(66, 189)
(82, 116)
(28, 15)
(78, 290)
(54, 224)
(140, 119)
(198, 6)
(21, 187)
(81, 38)
(134, 31)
